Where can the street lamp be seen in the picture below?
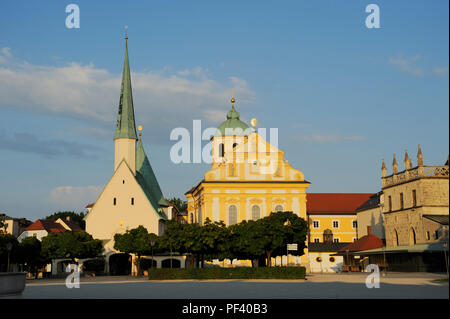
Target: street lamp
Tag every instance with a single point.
(384, 256)
(445, 245)
(152, 243)
(8, 248)
(348, 262)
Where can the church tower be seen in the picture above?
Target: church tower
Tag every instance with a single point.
(125, 135)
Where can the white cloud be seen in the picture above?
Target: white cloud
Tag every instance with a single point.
(74, 197)
(407, 65)
(162, 99)
(441, 70)
(5, 53)
(329, 138)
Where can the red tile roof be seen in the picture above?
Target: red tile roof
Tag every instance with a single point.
(50, 227)
(364, 243)
(323, 203)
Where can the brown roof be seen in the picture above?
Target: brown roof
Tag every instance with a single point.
(329, 203)
(364, 243)
(50, 227)
(72, 225)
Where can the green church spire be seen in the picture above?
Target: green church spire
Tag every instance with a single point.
(125, 127)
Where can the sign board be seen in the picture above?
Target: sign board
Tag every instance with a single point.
(292, 246)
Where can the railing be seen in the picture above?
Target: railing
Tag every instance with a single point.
(414, 173)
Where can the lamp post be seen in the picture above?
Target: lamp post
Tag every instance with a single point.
(348, 262)
(152, 243)
(8, 248)
(445, 245)
(384, 257)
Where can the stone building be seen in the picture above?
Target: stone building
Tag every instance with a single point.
(416, 202)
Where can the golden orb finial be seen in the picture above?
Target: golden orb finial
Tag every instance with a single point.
(126, 34)
(254, 122)
(140, 131)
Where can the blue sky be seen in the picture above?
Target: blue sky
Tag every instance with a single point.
(342, 96)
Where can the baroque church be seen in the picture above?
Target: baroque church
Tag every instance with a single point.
(249, 178)
(133, 187)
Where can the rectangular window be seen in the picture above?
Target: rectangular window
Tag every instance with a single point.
(335, 224)
(132, 200)
(317, 240)
(428, 235)
(114, 201)
(436, 234)
(414, 198)
(401, 201)
(390, 203)
(355, 224)
(315, 223)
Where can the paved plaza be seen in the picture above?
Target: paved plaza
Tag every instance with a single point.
(323, 286)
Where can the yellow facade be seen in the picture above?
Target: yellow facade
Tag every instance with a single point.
(249, 178)
(344, 227)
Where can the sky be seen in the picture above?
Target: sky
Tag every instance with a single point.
(342, 96)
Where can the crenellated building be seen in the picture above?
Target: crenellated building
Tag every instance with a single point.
(414, 199)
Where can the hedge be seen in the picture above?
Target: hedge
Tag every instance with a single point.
(227, 273)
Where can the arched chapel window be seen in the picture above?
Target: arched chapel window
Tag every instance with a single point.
(278, 208)
(256, 212)
(232, 215)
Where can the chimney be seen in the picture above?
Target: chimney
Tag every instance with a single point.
(369, 230)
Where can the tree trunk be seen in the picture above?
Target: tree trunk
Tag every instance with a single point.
(269, 259)
(138, 265)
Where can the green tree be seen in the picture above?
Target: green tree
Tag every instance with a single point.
(70, 244)
(180, 237)
(279, 229)
(135, 241)
(180, 204)
(6, 239)
(245, 242)
(30, 254)
(74, 217)
(3, 226)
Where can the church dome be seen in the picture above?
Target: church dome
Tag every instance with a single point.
(233, 126)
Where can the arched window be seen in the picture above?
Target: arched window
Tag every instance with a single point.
(221, 150)
(412, 236)
(232, 215)
(395, 238)
(256, 212)
(278, 208)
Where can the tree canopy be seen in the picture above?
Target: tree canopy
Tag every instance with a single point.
(70, 244)
(135, 241)
(74, 217)
(180, 204)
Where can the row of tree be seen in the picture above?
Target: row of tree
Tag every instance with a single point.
(258, 241)
(34, 254)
